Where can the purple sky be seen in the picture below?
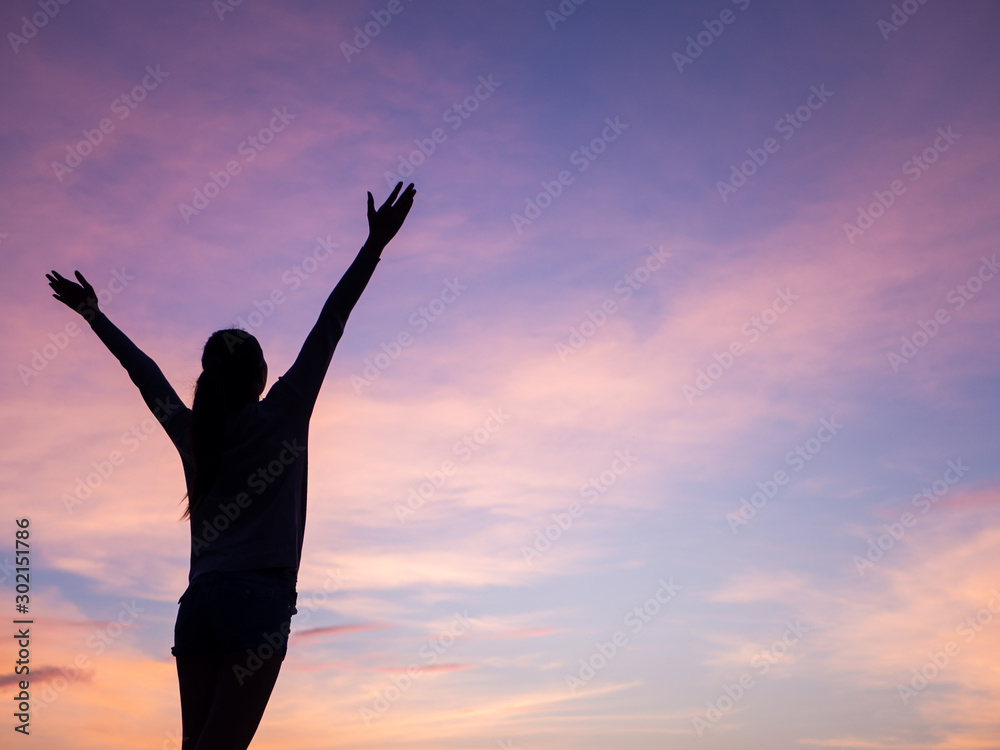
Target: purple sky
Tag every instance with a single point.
(628, 297)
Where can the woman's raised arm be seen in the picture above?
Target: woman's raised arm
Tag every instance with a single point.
(307, 373)
(158, 394)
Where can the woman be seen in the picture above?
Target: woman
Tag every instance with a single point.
(245, 468)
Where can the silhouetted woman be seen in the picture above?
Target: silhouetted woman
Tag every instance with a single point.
(244, 464)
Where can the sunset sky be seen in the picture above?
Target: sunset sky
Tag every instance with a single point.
(669, 419)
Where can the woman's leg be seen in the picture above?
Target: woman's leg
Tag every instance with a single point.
(197, 656)
(222, 697)
(196, 676)
(237, 702)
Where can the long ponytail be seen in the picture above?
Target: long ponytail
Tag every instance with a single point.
(232, 365)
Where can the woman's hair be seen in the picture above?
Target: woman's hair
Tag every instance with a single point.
(232, 368)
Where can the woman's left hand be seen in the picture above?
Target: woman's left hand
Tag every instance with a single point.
(384, 223)
(78, 297)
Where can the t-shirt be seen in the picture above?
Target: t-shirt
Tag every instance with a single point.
(254, 513)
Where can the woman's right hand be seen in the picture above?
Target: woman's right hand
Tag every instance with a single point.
(78, 297)
(384, 223)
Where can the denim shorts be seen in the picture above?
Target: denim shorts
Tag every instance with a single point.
(232, 611)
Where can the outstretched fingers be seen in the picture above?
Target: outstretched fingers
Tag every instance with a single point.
(392, 195)
(83, 282)
(78, 297)
(406, 200)
(386, 221)
(57, 282)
